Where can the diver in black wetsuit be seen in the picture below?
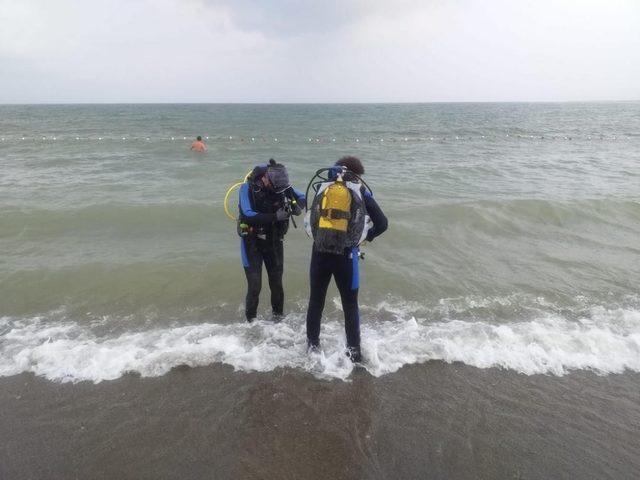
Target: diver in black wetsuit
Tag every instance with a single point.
(344, 269)
(267, 200)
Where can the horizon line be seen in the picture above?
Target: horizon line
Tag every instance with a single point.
(323, 103)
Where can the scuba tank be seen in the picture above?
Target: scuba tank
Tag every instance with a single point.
(337, 219)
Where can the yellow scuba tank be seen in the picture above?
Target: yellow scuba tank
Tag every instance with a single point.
(337, 219)
(335, 207)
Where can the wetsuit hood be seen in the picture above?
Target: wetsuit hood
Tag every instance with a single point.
(278, 176)
(275, 172)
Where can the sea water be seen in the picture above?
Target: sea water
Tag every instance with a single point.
(512, 242)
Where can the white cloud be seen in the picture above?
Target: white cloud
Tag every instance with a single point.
(287, 50)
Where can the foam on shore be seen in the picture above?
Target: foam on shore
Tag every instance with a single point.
(605, 341)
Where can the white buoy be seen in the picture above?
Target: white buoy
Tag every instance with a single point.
(333, 139)
(275, 139)
(77, 138)
(99, 138)
(44, 138)
(147, 138)
(253, 139)
(382, 139)
(405, 139)
(482, 136)
(22, 138)
(172, 138)
(357, 139)
(431, 139)
(123, 138)
(54, 138)
(230, 137)
(207, 138)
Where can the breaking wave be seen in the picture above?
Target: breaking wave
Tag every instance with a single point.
(602, 340)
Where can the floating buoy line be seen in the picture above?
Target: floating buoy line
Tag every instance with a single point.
(211, 139)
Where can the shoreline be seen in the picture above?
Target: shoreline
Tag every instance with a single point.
(434, 420)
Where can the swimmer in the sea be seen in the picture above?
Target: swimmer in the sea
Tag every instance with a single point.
(198, 145)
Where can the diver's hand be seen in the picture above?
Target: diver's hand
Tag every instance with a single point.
(282, 215)
(296, 210)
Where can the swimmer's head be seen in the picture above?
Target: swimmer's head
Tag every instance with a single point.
(199, 138)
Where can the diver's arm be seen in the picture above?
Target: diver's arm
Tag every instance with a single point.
(298, 196)
(248, 214)
(380, 222)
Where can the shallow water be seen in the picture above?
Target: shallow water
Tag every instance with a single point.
(512, 241)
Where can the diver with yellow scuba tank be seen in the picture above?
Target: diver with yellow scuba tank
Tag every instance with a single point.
(266, 203)
(342, 215)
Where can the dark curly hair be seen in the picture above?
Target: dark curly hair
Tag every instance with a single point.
(353, 164)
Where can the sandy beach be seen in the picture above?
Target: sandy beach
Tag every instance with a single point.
(434, 420)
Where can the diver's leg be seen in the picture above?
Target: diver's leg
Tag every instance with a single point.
(252, 263)
(319, 278)
(347, 277)
(274, 261)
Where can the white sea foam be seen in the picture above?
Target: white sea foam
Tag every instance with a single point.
(605, 341)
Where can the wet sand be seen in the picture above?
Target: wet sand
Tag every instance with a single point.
(434, 420)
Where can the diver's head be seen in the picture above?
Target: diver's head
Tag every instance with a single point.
(199, 138)
(353, 164)
(276, 177)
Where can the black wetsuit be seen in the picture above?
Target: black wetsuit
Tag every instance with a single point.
(262, 241)
(344, 268)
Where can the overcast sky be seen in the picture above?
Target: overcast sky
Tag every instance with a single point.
(67, 51)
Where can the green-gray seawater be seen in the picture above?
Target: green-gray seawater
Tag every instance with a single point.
(513, 237)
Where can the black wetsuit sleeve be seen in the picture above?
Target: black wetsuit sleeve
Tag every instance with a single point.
(378, 218)
(259, 219)
(247, 212)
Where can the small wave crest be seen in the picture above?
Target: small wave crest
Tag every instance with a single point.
(604, 340)
(107, 218)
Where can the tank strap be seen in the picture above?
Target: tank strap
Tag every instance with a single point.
(334, 214)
